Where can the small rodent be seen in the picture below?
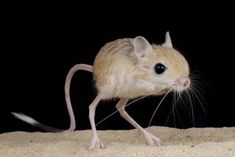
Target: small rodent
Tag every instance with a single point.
(128, 68)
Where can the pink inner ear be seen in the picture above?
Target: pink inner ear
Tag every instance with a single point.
(141, 52)
(141, 46)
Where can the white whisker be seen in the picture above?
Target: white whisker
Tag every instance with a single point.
(192, 107)
(173, 102)
(197, 90)
(120, 108)
(124, 107)
(199, 98)
(158, 106)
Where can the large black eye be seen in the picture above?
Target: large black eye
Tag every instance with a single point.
(159, 68)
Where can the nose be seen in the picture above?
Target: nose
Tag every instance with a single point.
(185, 82)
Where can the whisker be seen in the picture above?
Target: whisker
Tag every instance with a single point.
(194, 74)
(192, 108)
(105, 118)
(199, 98)
(173, 113)
(158, 106)
(178, 114)
(197, 91)
(195, 83)
(173, 108)
(183, 101)
(168, 117)
(120, 108)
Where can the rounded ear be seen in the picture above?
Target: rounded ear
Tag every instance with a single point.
(141, 47)
(168, 42)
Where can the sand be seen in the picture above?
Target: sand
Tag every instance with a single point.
(200, 142)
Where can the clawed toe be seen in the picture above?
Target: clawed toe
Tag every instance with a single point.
(96, 144)
(151, 139)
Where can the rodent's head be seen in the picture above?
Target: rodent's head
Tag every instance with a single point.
(163, 66)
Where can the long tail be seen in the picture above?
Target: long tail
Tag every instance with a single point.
(72, 127)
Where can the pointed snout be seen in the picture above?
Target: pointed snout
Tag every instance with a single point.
(185, 82)
(182, 84)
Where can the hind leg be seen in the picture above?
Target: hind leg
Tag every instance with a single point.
(95, 141)
(149, 138)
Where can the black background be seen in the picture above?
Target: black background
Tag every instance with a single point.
(41, 45)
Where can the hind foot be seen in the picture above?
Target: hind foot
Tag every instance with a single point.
(96, 144)
(151, 139)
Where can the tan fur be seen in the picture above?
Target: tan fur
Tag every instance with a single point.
(119, 73)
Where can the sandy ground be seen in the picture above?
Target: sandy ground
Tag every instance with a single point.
(208, 142)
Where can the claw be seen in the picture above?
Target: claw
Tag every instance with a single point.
(96, 144)
(151, 139)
